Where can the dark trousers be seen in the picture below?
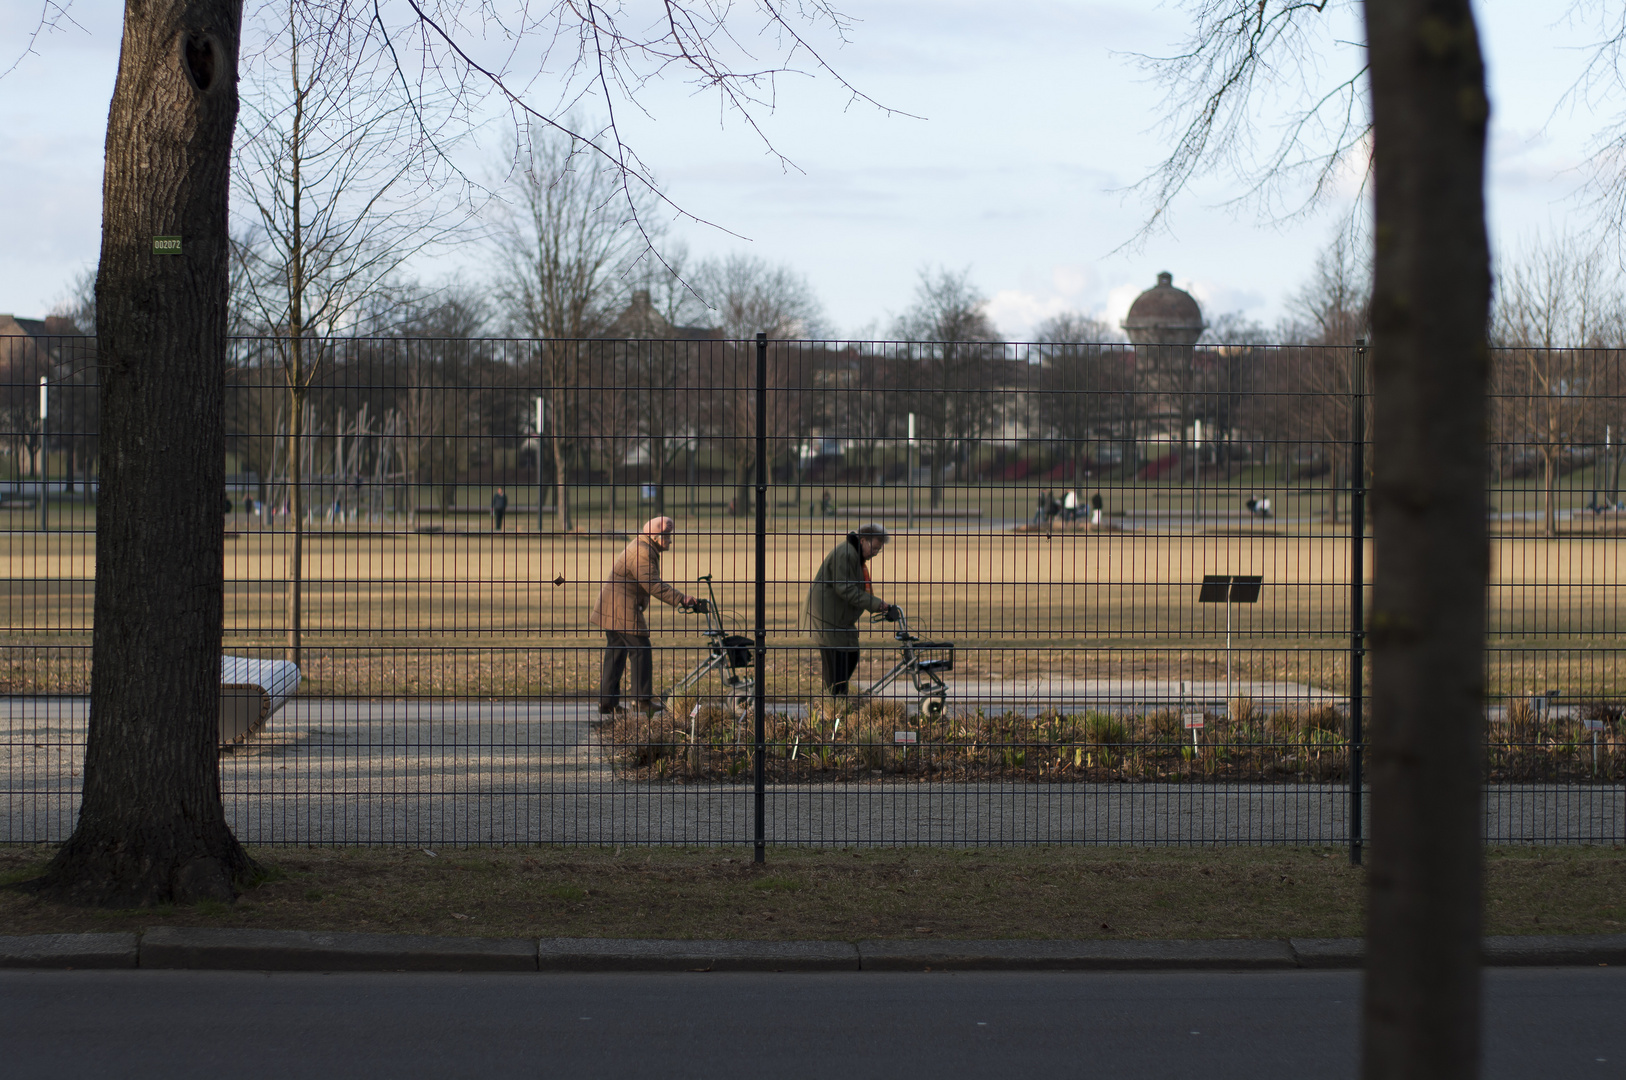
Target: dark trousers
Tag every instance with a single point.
(497, 515)
(839, 665)
(622, 650)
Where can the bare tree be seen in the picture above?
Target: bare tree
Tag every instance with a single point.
(151, 827)
(1431, 292)
(1430, 307)
(1292, 57)
(747, 296)
(1236, 355)
(1556, 310)
(949, 363)
(1080, 382)
(565, 242)
(1327, 314)
(659, 359)
(344, 175)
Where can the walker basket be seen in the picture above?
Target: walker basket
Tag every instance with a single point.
(935, 655)
(741, 650)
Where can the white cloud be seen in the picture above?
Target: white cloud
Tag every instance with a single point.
(1018, 313)
(1219, 298)
(1119, 297)
(1073, 287)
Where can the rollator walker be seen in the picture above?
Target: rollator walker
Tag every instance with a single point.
(732, 656)
(922, 662)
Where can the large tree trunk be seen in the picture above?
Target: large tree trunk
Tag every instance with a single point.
(1429, 306)
(560, 480)
(939, 457)
(744, 462)
(1335, 481)
(151, 826)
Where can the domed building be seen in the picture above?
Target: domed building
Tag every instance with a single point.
(1164, 315)
(1164, 324)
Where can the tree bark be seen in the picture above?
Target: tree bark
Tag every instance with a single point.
(939, 457)
(562, 491)
(151, 826)
(1429, 311)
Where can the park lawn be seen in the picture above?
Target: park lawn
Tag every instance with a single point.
(475, 614)
(841, 894)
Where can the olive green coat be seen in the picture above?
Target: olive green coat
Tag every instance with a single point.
(838, 598)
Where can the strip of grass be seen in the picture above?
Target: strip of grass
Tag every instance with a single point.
(842, 894)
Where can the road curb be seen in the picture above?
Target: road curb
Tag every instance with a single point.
(1050, 955)
(69, 951)
(615, 954)
(1348, 952)
(306, 950)
(198, 948)
(1556, 950)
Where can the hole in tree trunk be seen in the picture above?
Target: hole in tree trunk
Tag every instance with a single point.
(200, 59)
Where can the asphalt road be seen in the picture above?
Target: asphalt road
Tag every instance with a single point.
(1539, 1022)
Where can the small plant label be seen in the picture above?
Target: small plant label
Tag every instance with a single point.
(908, 737)
(166, 245)
(1593, 725)
(1192, 720)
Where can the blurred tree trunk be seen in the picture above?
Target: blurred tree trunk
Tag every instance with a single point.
(1429, 312)
(151, 826)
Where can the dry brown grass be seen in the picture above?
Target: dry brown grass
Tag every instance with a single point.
(378, 605)
(844, 894)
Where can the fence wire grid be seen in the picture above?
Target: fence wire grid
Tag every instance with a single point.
(1129, 577)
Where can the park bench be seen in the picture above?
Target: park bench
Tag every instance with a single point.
(12, 500)
(250, 692)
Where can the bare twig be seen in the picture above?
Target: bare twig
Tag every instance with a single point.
(1241, 58)
(53, 13)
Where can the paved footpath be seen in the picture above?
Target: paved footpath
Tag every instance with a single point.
(431, 772)
(1279, 1025)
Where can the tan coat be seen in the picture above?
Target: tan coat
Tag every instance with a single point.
(635, 577)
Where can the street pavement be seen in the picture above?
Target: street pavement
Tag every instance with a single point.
(1538, 1022)
(432, 772)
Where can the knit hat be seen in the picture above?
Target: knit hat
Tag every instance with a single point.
(872, 531)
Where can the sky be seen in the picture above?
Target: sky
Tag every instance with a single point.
(1018, 130)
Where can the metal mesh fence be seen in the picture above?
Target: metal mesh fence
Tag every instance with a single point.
(1128, 580)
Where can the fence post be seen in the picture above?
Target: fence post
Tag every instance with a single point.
(542, 490)
(759, 691)
(1357, 594)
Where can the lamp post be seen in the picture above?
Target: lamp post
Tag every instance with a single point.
(1197, 475)
(540, 490)
(44, 410)
(909, 470)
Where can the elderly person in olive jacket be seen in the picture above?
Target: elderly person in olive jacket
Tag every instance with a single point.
(634, 578)
(839, 595)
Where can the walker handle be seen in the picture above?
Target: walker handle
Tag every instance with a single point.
(715, 610)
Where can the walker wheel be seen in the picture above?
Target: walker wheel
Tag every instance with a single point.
(741, 704)
(932, 708)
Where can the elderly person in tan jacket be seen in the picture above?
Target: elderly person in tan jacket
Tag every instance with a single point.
(635, 577)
